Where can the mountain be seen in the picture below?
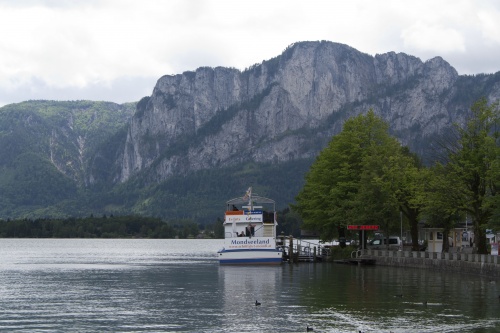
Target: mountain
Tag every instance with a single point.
(287, 108)
(204, 136)
(47, 149)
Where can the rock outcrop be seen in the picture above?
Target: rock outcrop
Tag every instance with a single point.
(288, 108)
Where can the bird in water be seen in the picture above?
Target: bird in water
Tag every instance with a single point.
(398, 295)
(257, 303)
(309, 329)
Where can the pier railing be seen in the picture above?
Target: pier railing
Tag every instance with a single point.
(296, 250)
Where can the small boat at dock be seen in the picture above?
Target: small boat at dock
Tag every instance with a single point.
(250, 231)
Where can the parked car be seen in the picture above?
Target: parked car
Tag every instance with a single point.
(381, 243)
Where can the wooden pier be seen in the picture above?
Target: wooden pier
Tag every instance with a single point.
(298, 250)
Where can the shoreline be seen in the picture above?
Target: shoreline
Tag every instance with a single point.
(478, 264)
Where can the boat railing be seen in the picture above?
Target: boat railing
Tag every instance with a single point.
(262, 226)
(229, 234)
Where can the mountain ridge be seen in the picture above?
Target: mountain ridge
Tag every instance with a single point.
(306, 84)
(223, 127)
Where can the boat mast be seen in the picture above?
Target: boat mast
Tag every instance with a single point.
(248, 195)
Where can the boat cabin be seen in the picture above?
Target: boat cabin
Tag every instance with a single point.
(253, 216)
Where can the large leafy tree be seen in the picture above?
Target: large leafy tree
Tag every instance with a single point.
(353, 180)
(440, 200)
(390, 187)
(474, 165)
(411, 176)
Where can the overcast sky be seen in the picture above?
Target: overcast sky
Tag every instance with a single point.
(116, 50)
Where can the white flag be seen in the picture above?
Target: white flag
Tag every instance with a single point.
(248, 194)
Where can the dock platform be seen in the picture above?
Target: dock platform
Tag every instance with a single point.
(299, 250)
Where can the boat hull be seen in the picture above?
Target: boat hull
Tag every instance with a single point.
(251, 256)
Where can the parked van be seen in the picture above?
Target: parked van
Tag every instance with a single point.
(381, 243)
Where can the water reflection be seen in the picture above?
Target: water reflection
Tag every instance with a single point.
(383, 299)
(242, 286)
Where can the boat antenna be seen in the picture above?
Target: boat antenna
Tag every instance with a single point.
(248, 195)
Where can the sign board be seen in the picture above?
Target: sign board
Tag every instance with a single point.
(362, 227)
(494, 249)
(243, 218)
(243, 212)
(250, 243)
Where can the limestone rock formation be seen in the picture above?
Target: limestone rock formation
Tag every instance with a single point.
(288, 108)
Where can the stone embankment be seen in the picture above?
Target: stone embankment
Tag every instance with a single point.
(481, 264)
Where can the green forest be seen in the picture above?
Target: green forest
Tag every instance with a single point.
(129, 227)
(108, 227)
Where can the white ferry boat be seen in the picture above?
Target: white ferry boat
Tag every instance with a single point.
(250, 231)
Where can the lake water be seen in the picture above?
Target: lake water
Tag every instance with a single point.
(98, 285)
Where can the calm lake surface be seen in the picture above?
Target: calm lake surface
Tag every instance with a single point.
(97, 285)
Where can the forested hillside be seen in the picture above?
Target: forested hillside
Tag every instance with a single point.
(46, 150)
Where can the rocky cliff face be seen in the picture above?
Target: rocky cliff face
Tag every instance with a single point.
(288, 108)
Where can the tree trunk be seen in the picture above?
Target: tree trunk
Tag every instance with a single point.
(479, 221)
(480, 239)
(412, 215)
(446, 240)
(342, 237)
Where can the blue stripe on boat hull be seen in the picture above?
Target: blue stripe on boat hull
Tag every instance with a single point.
(253, 256)
(250, 251)
(268, 261)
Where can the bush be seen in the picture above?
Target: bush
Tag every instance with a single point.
(338, 253)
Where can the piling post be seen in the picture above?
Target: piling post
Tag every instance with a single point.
(290, 251)
(314, 254)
